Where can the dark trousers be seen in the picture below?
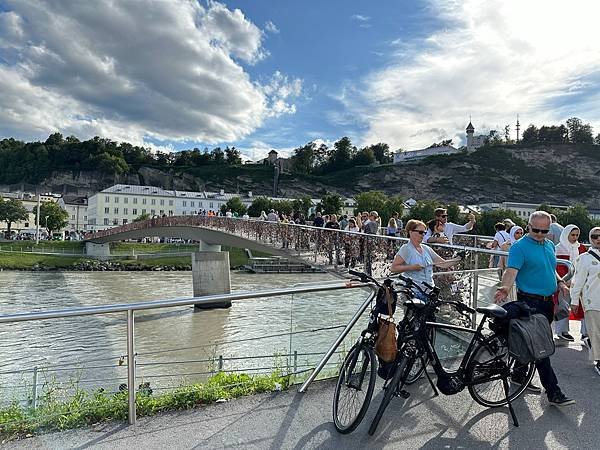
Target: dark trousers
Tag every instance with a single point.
(544, 368)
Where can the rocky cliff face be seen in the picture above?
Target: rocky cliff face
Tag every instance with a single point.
(562, 174)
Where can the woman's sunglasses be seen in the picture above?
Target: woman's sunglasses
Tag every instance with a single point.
(421, 232)
(595, 236)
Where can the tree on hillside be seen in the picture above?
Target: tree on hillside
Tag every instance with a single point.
(233, 156)
(597, 140)
(381, 152)
(530, 135)
(258, 205)
(12, 210)
(330, 204)
(578, 132)
(52, 216)
(304, 158)
(235, 205)
(364, 157)
(453, 211)
(553, 134)
(493, 138)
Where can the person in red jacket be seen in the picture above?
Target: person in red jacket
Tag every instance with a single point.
(569, 248)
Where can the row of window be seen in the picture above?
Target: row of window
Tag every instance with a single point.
(134, 211)
(135, 200)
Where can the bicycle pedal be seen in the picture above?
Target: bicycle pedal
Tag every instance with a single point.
(404, 394)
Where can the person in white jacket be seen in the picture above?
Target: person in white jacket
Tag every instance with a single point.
(586, 287)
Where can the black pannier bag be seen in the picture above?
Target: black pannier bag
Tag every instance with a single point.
(530, 338)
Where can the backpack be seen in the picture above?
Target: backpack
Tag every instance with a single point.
(530, 338)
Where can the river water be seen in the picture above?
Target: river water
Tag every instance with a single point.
(174, 345)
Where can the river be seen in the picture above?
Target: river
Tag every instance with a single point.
(86, 351)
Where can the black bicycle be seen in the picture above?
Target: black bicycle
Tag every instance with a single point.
(486, 368)
(358, 374)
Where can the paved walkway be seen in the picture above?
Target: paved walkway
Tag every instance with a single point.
(290, 420)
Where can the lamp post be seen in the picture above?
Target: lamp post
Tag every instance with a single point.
(47, 225)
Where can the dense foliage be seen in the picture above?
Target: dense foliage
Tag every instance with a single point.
(31, 162)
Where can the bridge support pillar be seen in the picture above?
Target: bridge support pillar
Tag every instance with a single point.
(210, 275)
(92, 249)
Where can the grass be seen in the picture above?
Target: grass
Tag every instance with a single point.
(27, 261)
(84, 409)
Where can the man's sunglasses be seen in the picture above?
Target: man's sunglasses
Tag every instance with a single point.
(595, 236)
(443, 215)
(421, 232)
(538, 230)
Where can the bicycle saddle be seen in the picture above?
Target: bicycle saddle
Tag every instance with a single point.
(492, 310)
(415, 302)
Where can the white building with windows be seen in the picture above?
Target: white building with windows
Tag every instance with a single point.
(76, 207)
(122, 203)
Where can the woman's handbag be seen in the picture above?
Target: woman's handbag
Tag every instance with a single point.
(386, 346)
(562, 307)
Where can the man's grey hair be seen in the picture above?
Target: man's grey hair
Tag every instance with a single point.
(539, 215)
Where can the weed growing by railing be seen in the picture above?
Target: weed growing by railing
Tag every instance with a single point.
(84, 408)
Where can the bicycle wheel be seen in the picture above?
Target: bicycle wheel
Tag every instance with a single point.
(490, 360)
(354, 388)
(418, 368)
(397, 382)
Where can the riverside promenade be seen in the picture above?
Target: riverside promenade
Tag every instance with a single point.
(291, 420)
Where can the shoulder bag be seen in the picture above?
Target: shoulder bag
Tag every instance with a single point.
(386, 346)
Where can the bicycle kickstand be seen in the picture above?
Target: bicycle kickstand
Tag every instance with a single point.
(510, 407)
(435, 391)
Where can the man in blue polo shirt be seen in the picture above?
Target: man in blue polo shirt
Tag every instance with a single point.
(532, 267)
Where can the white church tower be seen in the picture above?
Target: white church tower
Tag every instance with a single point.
(470, 137)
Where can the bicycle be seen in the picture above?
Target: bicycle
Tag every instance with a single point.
(485, 362)
(361, 358)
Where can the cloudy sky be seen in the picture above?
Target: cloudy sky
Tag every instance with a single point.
(177, 74)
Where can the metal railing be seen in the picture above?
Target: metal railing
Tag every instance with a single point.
(130, 309)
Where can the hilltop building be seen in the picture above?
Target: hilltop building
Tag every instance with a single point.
(473, 143)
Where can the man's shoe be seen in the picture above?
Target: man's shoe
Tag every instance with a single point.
(567, 336)
(560, 399)
(597, 367)
(533, 388)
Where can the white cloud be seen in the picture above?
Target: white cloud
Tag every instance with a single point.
(279, 90)
(363, 21)
(490, 59)
(167, 70)
(271, 27)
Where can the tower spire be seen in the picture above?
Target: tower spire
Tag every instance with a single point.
(518, 128)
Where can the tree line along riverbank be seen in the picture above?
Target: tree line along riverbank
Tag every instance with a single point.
(70, 255)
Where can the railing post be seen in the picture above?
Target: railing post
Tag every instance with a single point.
(131, 367)
(337, 342)
(475, 294)
(34, 389)
(220, 364)
(295, 361)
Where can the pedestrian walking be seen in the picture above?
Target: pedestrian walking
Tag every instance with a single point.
(531, 266)
(585, 290)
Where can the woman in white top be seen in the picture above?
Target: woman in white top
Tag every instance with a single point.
(415, 259)
(585, 287)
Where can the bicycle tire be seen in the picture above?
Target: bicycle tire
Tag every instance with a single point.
(475, 364)
(369, 363)
(399, 374)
